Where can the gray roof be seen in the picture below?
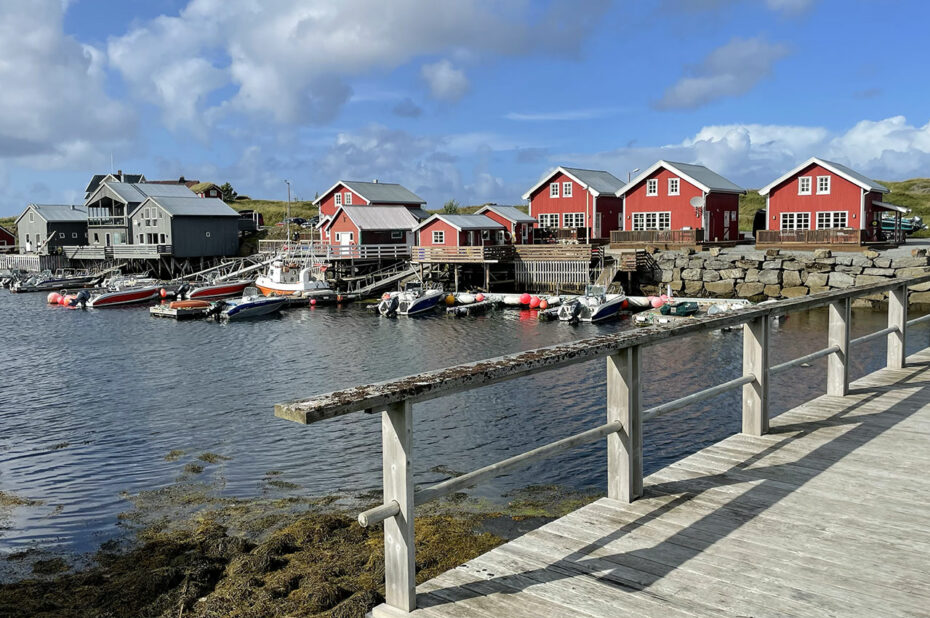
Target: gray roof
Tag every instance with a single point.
(865, 180)
(59, 212)
(510, 212)
(384, 192)
(600, 181)
(471, 222)
(127, 192)
(135, 193)
(419, 214)
(381, 217)
(194, 206)
(98, 178)
(708, 178)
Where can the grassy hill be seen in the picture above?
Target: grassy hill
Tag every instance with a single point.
(7, 222)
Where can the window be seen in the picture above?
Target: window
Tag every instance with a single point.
(673, 186)
(396, 235)
(823, 185)
(830, 220)
(141, 239)
(549, 220)
(208, 234)
(439, 238)
(554, 189)
(163, 241)
(27, 237)
(73, 234)
(804, 185)
(651, 221)
(795, 220)
(573, 219)
(652, 187)
(348, 199)
(61, 234)
(567, 189)
(501, 235)
(31, 217)
(338, 199)
(96, 238)
(485, 234)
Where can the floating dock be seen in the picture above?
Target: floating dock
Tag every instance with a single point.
(181, 313)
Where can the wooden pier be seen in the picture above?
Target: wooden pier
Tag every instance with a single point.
(822, 510)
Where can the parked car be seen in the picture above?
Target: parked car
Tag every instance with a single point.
(294, 220)
(311, 222)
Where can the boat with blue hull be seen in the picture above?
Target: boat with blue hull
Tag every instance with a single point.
(594, 306)
(249, 306)
(412, 300)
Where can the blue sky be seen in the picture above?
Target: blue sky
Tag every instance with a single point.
(471, 100)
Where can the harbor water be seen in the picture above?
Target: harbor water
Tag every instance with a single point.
(93, 403)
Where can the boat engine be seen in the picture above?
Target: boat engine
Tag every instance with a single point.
(570, 312)
(388, 306)
(216, 309)
(183, 291)
(81, 299)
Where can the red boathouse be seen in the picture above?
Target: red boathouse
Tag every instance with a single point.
(580, 201)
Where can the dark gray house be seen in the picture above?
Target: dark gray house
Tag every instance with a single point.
(111, 204)
(59, 224)
(186, 226)
(119, 176)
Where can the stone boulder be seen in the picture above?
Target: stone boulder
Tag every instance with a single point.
(691, 274)
(879, 272)
(822, 253)
(816, 280)
(747, 290)
(732, 273)
(841, 280)
(711, 275)
(791, 278)
(721, 289)
(794, 291)
(867, 279)
(772, 265)
(770, 277)
(752, 276)
(772, 291)
(694, 288)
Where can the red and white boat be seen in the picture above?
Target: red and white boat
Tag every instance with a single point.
(124, 296)
(216, 290)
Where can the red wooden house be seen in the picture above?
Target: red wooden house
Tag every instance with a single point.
(7, 239)
(460, 231)
(577, 199)
(682, 196)
(519, 224)
(355, 193)
(371, 225)
(821, 195)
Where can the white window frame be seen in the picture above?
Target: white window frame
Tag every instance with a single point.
(164, 239)
(553, 189)
(338, 199)
(546, 219)
(567, 188)
(677, 184)
(73, 234)
(828, 219)
(347, 199)
(61, 235)
(569, 218)
(801, 183)
(501, 235)
(397, 234)
(439, 237)
(789, 220)
(652, 187)
(825, 190)
(643, 221)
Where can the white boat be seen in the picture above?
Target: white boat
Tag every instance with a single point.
(594, 306)
(288, 279)
(122, 290)
(251, 306)
(411, 300)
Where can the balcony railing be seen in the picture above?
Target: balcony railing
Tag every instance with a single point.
(106, 221)
(492, 253)
(833, 236)
(327, 251)
(658, 237)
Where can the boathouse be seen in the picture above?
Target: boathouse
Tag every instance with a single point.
(825, 203)
(519, 224)
(371, 225)
(461, 231)
(375, 193)
(7, 239)
(45, 228)
(698, 203)
(111, 204)
(185, 226)
(576, 204)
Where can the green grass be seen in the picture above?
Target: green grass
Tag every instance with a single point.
(8, 223)
(273, 212)
(470, 210)
(748, 205)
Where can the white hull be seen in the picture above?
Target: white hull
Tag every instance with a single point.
(124, 297)
(252, 307)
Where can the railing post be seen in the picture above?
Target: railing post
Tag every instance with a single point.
(897, 317)
(624, 449)
(399, 565)
(756, 364)
(838, 362)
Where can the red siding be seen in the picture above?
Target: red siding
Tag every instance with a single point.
(844, 196)
(515, 229)
(609, 207)
(343, 224)
(723, 216)
(6, 238)
(383, 237)
(450, 239)
(610, 210)
(328, 205)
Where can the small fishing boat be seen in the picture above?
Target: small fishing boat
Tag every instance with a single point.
(287, 279)
(594, 306)
(413, 299)
(249, 306)
(124, 294)
(219, 289)
(46, 281)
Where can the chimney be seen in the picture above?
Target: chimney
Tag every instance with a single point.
(119, 174)
(73, 207)
(181, 180)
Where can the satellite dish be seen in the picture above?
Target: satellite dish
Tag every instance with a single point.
(697, 202)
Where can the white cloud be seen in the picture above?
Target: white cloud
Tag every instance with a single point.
(590, 113)
(54, 109)
(445, 82)
(730, 70)
(293, 60)
(755, 154)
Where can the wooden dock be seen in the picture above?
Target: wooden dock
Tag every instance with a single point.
(827, 514)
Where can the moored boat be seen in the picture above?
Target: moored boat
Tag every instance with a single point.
(289, 279)
(124, 296)
(412, 300)
(216, 289)
(594, 306)
(250, 306)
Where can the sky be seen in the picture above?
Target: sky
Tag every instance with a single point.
(472, 100)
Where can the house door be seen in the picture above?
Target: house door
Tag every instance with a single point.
(471, 239)
(597, 225)
(108, 239)
(524, 233)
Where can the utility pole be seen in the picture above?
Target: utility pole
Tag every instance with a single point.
(288, 183)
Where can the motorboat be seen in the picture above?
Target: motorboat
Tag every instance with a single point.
(411, 300)
(46, 281)
(217, 289)
(595, 305)
(124, 295)
(288, 279)
(249, 306)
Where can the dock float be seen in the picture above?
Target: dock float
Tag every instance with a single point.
(181, 313)
(471, 308)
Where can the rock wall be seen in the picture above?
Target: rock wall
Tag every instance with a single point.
(762, 275)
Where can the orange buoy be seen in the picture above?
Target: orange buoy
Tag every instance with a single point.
(657, 302)
(53, 298)
(624, 304)
(524, 299)
(534, 302)
(450, 299)
(385, 296)
(544, 304)
(479, 298)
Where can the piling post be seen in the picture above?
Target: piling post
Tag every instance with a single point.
(756, 364)
(838, 362)
(897, 317)
(624, 405)
(399, 564)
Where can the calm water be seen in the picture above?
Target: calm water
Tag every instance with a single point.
(92, 401)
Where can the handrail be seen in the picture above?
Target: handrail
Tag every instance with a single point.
(804, 359)
(707, 393)
(875, 335)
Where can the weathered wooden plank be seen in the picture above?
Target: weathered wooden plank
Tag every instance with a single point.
(838, 336)
(625, 448)
(399, 560)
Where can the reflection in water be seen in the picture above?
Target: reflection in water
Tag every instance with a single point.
(93, 401)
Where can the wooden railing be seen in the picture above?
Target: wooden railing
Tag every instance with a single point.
(833, 236)
(328, 251)
(31, 262)
(625, 411)
(83, 252)
(490, 253)
(666, 237)
(554, 252)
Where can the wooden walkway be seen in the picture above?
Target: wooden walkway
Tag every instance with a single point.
(826, 515)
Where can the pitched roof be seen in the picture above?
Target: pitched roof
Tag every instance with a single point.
(200, 187)
(703, 178)
(596, 182)
(56, 212)
(135, 193)
(419, 214)
(377, 192)
(378, 217)
(465, 222)
(508, 212)
(192, 206)
(98, 178)
(841, 170)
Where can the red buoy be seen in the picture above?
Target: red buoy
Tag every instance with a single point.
(524, 299)
(313, 302)
(534, 302)
(479, 298)
(624, 304)
(163, 292)
(54, 298)
(544, 304)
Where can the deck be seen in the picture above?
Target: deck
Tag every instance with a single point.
(824, 515)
